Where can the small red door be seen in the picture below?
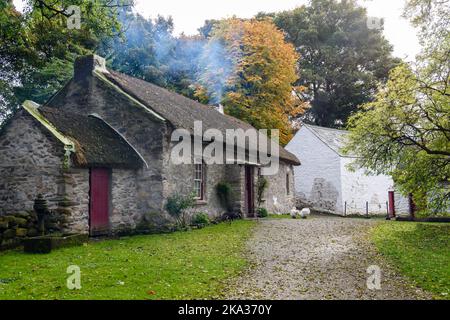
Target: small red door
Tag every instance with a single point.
(99, 201)
(391, 204)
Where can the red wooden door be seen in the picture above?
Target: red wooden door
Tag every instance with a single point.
(391, 204)
(99, 201)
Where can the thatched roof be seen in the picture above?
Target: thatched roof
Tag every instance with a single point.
(180, 111)
(96, 143)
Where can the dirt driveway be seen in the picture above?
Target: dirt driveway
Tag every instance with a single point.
(316, 258)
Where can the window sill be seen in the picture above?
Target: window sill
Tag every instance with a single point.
(200, 202)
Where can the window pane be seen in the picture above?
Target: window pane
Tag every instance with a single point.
(198, 180)
(198, 171)
(198, 189)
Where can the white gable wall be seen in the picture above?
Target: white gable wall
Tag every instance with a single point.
(359, 188)
(317, 179)
(324, 180)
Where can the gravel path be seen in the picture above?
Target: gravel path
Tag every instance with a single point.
(316, 258)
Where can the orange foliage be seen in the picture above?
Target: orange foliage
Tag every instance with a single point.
(261, 89)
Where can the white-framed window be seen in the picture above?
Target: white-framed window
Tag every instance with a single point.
(199, 181)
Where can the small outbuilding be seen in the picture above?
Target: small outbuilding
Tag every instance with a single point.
(325, 181)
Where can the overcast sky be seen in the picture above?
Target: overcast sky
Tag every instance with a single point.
(190, 15)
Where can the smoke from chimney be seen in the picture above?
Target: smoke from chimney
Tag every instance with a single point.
(205, 61)
(219, 107)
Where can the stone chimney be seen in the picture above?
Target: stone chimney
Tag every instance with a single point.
(219, 107)
(85, 65)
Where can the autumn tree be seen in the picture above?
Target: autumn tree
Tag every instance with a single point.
(259, 69)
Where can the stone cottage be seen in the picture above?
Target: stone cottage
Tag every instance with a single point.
(326, 183)
(102, 145)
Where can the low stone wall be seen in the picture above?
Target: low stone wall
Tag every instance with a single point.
(18, 226)
(14, 227)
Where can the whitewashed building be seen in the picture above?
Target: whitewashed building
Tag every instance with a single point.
(325, 181)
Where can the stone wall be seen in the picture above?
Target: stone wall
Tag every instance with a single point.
(18, 226)
(235, 176)
(77, 200)
(15, 227)
(318, 178)
(124, 189)
(30, 164)
(179, 178)
(277, 198)
(133, 121)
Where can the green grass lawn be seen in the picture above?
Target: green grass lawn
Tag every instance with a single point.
(421, 251)
(181, 265)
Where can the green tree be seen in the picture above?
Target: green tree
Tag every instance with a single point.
(134, 51)
(405, 131)
(37, 48)
(341, 60)
(147, 49)
(431, 17)
(208, 27)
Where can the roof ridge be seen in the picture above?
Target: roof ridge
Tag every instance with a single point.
(132, 97)
(335, 143)
(325, 128)
(179, 110)
(168, 91)
(48, 108)
(35, 111)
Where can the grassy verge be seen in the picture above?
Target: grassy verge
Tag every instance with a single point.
(421, 251)
(182, 265)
